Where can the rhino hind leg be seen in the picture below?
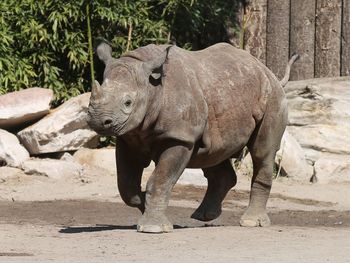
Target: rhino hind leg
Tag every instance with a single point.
(221, 178)
(263, 146)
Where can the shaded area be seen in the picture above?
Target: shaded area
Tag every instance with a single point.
(97, 228)
(190, 192)
(89, 216)
(15, 254)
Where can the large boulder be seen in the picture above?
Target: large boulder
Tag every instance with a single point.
(319, 114)
(332, 168)
(8, 173)
(55, 169)
(103, 159)
(319, 119)
(193, 177)
(22, 107)
(320, 139)
(291, 158)
(64, 129)
(12, 153)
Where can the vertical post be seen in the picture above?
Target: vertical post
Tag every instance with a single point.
(302, 37)
(91, 55)
(345, 36)
(255, 32)
(328, 38)
(277, 38)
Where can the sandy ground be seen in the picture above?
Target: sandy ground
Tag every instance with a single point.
(82, 219)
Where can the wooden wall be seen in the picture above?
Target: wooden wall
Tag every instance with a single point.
(318, 30)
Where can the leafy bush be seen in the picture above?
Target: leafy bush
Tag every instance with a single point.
(45, 43)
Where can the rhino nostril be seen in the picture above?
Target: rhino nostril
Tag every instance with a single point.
(107, 122)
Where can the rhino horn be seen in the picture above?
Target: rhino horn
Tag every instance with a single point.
(154, 65)
(95, 90)
(104, 52)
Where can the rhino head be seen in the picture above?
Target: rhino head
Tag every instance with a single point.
(120, 104)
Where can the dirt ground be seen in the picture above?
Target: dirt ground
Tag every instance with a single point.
(82, 219)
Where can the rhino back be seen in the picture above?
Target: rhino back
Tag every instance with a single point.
(235, 88)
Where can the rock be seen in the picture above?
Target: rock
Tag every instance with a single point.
(67, 157)
(319, 101)
(12, 153)
(291, 158)
(332, 168)
(64, 129)
(103, 159)
(323, 138)
(7, 173)
(193, 177)
(245, 166)
(55, 169)
(319, 119)
(188, 177)
(22, 107)
(319, 115)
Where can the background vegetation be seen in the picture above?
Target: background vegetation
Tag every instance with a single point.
(46, 43)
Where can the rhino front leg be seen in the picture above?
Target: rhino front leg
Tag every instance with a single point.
(129, 174)
(169, 167)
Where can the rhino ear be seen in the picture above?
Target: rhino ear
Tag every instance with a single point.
(95, 90)
(104, 52)
(154, 67)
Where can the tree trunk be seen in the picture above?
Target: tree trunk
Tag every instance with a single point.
(328, 38)
(234, 35)
(277, 39)
(302, 35)
(255, 32)
(345, 56)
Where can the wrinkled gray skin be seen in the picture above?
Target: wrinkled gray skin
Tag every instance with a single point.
(189, 109)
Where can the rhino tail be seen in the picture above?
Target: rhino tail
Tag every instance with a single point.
(285, 79)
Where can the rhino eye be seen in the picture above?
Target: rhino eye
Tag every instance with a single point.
(127, 103)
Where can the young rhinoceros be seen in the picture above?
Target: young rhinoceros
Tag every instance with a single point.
(193, 109)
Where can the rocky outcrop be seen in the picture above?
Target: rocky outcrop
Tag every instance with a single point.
(64, 129)
(102, 159)
(12, 153)
(22, 107)
(9, 173)
(291, 158)
(319, 119)
(193, 177)
(55, 169)
(332, 168)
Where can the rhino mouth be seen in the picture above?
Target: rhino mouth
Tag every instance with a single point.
(120, 128)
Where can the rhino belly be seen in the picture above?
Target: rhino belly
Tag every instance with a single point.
(227, 137)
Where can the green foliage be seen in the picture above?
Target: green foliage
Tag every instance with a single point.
(197, 24)
(45, 43)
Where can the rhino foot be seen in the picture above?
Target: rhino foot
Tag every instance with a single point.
(251, 219)
(206, 213)
(154, 224)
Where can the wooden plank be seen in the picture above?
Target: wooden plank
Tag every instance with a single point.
(277, 38)
(255, 30)
(302, 35)
(345, 56)
(328, 38)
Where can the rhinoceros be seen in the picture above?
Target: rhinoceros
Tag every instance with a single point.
(189, 109)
